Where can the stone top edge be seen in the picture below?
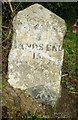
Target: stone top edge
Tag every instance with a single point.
(39, 6)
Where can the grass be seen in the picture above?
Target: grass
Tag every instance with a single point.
(70, 60)
(70, 52)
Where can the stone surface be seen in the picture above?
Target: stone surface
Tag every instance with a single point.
(36, 55)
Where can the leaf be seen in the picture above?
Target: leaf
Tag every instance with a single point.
(2, 85)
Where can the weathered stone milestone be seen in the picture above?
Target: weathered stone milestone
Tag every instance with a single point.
(36, 55)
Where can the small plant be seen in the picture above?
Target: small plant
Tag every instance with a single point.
(70, 86)
(33, 116)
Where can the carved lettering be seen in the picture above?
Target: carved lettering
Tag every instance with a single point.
(48, 47)
(40, 47)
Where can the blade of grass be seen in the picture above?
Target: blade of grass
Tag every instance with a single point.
(4, 27)
(10, 6)
(17, 7)
(8, 35)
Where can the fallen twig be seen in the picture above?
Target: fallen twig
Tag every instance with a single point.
(64, 75)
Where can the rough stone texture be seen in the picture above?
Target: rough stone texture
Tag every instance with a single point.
(36, 56)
